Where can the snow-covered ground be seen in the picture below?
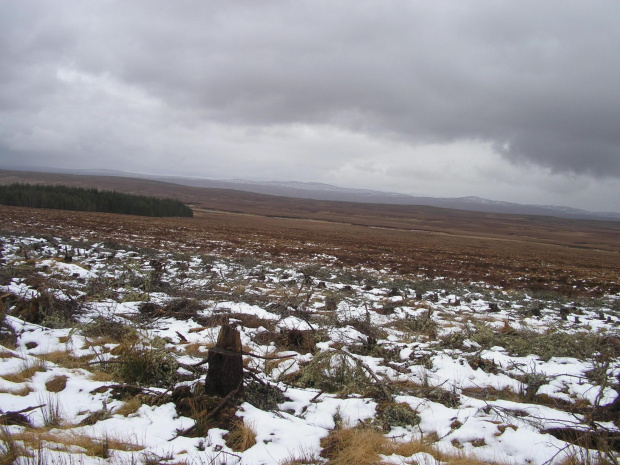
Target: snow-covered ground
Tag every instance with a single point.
(486, 372)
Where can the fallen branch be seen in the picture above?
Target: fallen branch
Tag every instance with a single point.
(372, 374)
(255, 378)
(221, 350)
(104, 362)
(24, 410)
(315, 398)
(192, 368)
(16, 417)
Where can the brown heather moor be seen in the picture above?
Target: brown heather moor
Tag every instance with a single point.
(572, 257)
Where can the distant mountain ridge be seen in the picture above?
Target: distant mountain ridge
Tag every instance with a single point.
(322, 191)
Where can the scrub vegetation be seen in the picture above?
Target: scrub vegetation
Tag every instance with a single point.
(353, 352)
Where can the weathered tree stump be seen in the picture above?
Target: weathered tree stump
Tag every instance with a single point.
(331, 304)
(225, 373)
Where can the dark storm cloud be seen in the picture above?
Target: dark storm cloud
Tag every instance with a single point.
(538, 80)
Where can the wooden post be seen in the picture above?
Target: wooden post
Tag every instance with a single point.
(225, 373)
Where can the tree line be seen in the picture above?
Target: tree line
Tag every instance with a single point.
(92, 200)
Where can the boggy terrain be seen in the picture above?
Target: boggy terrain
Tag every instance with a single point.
(470, 338)
(569, 257)
(103, 348)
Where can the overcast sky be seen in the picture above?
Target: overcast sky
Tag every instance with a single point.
(508, 100)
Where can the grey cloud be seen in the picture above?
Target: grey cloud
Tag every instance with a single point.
(539, 80)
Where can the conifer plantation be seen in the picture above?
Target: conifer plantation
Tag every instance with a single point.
(76, 198)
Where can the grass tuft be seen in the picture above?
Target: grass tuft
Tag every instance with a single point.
(101, 447)
(335, 372)
(66, 359)
(364, 445)
(242, 436)
(145, 366)
(27, 371)
(10, 450)
(303, 457)
(354, 446)
(130, 407)
(109, 329)
(51, 410)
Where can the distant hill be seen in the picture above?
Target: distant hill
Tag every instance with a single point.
(320, 191)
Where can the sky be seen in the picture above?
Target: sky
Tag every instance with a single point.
(513, 101)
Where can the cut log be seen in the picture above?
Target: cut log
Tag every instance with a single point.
(225, 373)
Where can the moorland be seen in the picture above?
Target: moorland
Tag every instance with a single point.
(370, 334)
(568, 256)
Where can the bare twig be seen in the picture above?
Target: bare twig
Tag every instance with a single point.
(319, 394)
(372, 374)
(221, 350)
(25, 410)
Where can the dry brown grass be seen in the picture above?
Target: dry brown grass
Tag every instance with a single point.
(253, 321)
(577, 457)
(242, 436)
(303, 458)
(27, 372)
(41, 439)
(98, 375)
(465, 460)
(129, 407)
(56, 384)
(65, 359)
(569, 256)
(10, 450)
(413, 447)
(197, 349)
(99, 342)
(362, 446)
(492, 394)
(21, 391)
(354, 446)
(271, 365)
